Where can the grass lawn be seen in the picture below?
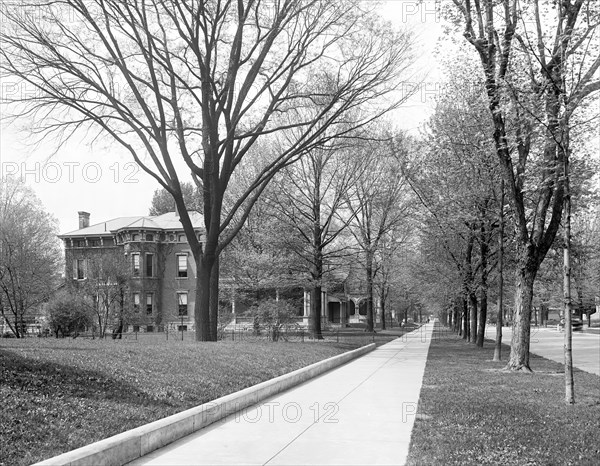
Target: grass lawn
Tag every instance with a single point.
(470, 412)
(57, 395)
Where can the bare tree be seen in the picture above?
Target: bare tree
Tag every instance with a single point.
(30, 254)
(106, 287)
(191, 86)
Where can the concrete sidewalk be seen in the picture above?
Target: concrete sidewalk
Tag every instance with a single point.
(360, 413)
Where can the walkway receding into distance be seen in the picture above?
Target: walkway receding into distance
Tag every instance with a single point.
(360, 413)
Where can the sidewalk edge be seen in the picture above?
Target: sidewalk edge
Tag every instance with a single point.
(132, 444)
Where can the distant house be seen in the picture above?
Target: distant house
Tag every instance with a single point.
(159, 262)
(345, 300)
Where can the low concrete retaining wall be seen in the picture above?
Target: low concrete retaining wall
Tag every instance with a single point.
(127, 446)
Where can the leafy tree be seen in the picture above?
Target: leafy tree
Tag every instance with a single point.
(455, 175)
(163, 202)
(203, 84)
(30, 254)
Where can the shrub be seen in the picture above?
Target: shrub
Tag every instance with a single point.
(68, 313)
(274, 315)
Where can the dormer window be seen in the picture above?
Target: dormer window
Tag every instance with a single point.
(135, 237)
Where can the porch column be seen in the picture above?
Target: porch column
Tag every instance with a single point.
(306, 303)
(233, 304)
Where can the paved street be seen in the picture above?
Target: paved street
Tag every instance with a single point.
(549, 343)
(360, 413)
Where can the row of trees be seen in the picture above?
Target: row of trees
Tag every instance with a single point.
(506, 167)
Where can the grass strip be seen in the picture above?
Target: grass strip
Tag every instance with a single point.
(472, 412)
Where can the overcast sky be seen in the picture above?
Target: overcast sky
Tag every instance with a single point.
(106, 183)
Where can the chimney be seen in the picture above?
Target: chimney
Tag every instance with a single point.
(84, 220)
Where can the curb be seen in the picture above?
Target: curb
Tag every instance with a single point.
(135, 443)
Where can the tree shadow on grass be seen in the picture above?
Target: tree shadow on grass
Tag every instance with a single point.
(52, 380)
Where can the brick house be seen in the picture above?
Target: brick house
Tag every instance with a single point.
(157, 259)
(161, 273)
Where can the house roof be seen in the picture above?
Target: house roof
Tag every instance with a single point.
(169, 221)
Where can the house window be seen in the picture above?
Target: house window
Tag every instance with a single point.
(182, 328)
(135, 261)
(182, 266)
(136, 302)
(135, 237)
(136, 328)
(182, 303)
(80, 269)
(181, 238)
(171, 237)
(150, 328)
(149, 237)
(149, 265)
(149, 304)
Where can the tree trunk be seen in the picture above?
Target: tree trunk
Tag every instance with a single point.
(470, 301)
(214, 300)
(499, 321)
(369, 270)
(456, 320)
(202, 305)
(382, 314)
(569, 383)
(315, 312)
(465, 319)
(473, 316)
(521, 330)
(482, 318)
(317, 273)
